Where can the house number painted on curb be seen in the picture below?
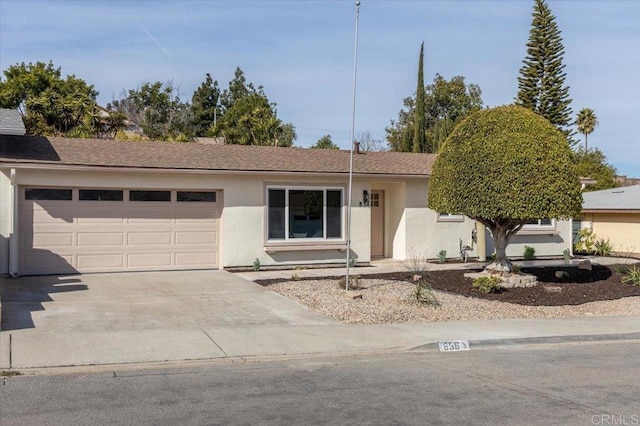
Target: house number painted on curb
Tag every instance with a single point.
(453, 345)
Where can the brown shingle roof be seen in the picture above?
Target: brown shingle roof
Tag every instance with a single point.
(193, 156)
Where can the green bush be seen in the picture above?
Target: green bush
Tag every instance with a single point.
(632, 276)
(566, 255)
(529, 253)
(423, 295)
(586, 243)
(442, 256)
(256, 264)
(603, 247)
(487, 284)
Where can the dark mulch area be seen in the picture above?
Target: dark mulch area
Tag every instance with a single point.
(582, 286)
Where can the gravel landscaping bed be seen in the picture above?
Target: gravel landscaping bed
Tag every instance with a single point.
(384, 298)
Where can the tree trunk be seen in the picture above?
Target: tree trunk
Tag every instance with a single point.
(501, 263)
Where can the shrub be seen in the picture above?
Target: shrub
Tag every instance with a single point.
(442, 256)
(354, 282)
(417, 264)
(256, 264)
(352, 261)
(295, 277)
(603, 247)
(529, 252)
(632, 276)
(423, 295)
(586, 242)
(487, 284)
(566, 254)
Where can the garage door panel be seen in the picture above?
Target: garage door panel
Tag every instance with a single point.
(195, 259)
(66, 236)
(149, 238)
(48, 240)
(100, 261)
(89, 239)
(149, 260)
(56, 216)
(196, 237)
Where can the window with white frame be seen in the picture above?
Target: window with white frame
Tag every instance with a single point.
(449, 217)
(296, 213)
(540, 224)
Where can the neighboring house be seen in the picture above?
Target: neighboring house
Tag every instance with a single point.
(11, 122)
(78, 205)
(614, 214)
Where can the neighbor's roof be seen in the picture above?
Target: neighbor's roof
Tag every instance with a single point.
(11, 122)
(622, 198)
(23, 150)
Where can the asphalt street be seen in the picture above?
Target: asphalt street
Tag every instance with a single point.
(567, 384)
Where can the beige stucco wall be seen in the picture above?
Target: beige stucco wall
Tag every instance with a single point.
(243, 217)
(622, 229)
(5, 219)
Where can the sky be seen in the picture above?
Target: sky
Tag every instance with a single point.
(302, 52)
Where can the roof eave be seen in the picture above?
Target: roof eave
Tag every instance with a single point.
(94, 168)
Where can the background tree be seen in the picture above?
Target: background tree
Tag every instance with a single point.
(419, 132)
(503, 167)
(541, 85)
(248, 118)
(369, 143)
(325, 142)
(592, 163)
(447, 102)
(205, 106)
(157, 109)
(50, 105)
(586, 123)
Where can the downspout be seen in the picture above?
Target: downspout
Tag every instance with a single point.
(13, 236)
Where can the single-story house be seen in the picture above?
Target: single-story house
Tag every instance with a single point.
(614, 214)
(80, 205)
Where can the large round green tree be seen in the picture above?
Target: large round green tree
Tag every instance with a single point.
(503, 167)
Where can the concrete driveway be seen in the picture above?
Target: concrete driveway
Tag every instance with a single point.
(135, 317)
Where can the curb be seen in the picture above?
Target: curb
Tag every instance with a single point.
(522, 341)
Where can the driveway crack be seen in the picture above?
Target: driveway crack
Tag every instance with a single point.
(214, 342)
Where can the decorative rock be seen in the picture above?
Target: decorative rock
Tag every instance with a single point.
(562, 274)
(357, 296)
(417, 277)
(508, 280)
(553, 289)
(585, 265)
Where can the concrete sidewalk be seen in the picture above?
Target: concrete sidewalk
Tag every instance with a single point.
(199, 315)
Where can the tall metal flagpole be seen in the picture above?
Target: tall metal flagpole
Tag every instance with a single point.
(353, 124)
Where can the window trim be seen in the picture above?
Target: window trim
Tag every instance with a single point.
(333, 243)
(540, 229)
(449, 217)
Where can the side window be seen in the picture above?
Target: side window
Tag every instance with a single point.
(149, 195)
(48, 194)
(101, 195)
(197, 196)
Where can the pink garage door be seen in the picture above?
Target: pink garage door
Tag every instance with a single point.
(67, 230)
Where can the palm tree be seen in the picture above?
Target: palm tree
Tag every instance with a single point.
(586, 123)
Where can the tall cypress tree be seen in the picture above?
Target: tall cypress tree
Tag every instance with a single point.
(541, 85)
(420, 124)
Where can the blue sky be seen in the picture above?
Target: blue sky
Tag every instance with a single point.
(302, 53)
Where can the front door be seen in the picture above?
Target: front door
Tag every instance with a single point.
(377, 223)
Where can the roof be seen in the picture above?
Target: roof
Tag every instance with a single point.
(622, 198)
(11, 122)
(65, 152)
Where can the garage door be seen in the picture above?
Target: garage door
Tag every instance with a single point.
(67, 230)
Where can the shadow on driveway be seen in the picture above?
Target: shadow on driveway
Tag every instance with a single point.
(20, 297)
